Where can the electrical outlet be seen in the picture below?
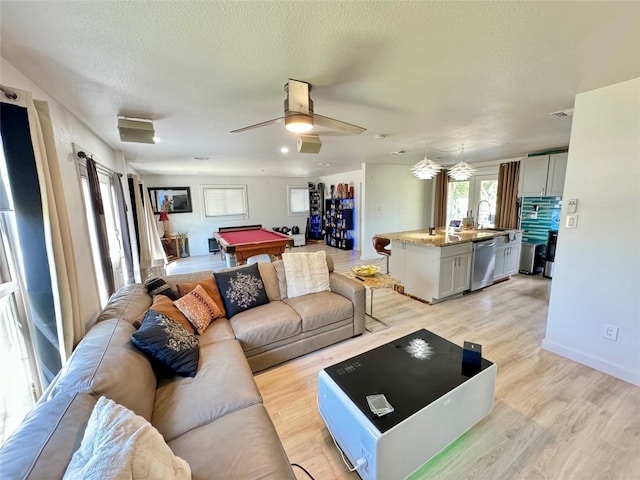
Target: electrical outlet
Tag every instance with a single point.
(610, 332)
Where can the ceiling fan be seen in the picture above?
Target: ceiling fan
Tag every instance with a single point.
(298, 113)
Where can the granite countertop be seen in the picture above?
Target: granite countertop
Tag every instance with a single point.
(442, 238)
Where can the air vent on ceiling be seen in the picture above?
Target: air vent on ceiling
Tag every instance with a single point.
(136, 130)
(563, 113)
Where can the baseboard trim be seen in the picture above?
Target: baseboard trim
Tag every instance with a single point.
(590, 361)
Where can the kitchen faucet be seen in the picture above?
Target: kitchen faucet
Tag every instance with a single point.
(479, 226)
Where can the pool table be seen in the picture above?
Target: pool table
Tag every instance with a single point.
(245, 242)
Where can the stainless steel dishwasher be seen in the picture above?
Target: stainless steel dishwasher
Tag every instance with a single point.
(483, 264)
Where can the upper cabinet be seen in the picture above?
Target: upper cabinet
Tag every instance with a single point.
(543, 175)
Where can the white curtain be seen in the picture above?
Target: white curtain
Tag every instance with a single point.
(58, 237)
(152, 255)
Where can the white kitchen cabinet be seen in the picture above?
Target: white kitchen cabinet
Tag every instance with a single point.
(533, 176)
(507, 256)
(542, 175)
(455, 272)
(431, 273)
(557, 171)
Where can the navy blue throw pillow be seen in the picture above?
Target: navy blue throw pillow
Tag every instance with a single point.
(241, 289)
(168, 344)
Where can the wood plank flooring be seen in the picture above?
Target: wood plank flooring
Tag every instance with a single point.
(552, 419)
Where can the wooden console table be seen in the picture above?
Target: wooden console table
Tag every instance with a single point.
(171, 247)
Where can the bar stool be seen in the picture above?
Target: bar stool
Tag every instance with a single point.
(379, 244)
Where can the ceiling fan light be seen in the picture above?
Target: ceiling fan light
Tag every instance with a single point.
(298, 123)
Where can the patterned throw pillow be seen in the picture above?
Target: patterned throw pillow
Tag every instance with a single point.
(209, 286)
(164, 305)
(168, 345)
(241, 289)
(199, 308)
(157, 286)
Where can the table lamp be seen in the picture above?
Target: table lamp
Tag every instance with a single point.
(164, 218)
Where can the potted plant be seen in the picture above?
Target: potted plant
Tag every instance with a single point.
(182, 239)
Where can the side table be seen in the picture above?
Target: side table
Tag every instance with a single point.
(372, 283)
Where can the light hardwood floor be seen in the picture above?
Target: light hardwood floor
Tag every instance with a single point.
(552, 419)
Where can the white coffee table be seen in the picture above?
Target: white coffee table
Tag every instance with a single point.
(435, 399)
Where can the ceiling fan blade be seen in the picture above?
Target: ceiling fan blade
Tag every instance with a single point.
(298, 95)
(258, 125)
(334, 124)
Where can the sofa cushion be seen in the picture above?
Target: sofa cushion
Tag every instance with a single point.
(268, 324)
(168, 344)
(218, 331)
(129, 303)
(306, 273)
(224, 384)
(278, 266)
(216, 450)
(45, 441)
(157, 286)
(210, 286)
(321, 309)
(107, 363)
(270, 280)
(199, 308)
(119, 444)
(241, 289)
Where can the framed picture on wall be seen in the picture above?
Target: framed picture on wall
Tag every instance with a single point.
(170, 199)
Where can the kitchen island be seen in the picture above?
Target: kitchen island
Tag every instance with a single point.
(436, 267)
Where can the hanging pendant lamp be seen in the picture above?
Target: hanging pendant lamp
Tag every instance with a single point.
(425, 169)
(461, 170)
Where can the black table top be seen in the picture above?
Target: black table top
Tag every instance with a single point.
(412, 372)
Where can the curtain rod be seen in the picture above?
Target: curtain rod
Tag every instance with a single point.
(10, 94)
(82, 157)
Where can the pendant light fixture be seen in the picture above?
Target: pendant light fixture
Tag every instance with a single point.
(425, 169)
(461, 170)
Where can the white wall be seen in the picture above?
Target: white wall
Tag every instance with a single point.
(67, 130)
(267, 205)
(597, 270)
(394, 201)
(351, 178)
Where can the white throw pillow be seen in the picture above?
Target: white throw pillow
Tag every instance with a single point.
(120, 445)
(306, 273)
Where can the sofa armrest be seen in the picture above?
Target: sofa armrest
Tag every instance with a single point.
(353, 291)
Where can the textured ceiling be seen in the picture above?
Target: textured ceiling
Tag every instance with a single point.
(427, 75)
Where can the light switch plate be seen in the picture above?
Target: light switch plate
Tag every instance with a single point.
(572, 221)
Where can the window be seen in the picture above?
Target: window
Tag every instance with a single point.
(457, 200)
(478, 194)
(298, 200)
(225, 201)
(19, 378)
(114, 236)
(488, 199)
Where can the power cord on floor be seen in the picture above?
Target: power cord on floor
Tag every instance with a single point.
(303, 469)
(360, 463)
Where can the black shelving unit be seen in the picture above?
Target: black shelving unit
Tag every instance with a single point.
(316, 212)
(339, 223)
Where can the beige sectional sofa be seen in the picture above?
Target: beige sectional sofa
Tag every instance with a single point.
(216, 420)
